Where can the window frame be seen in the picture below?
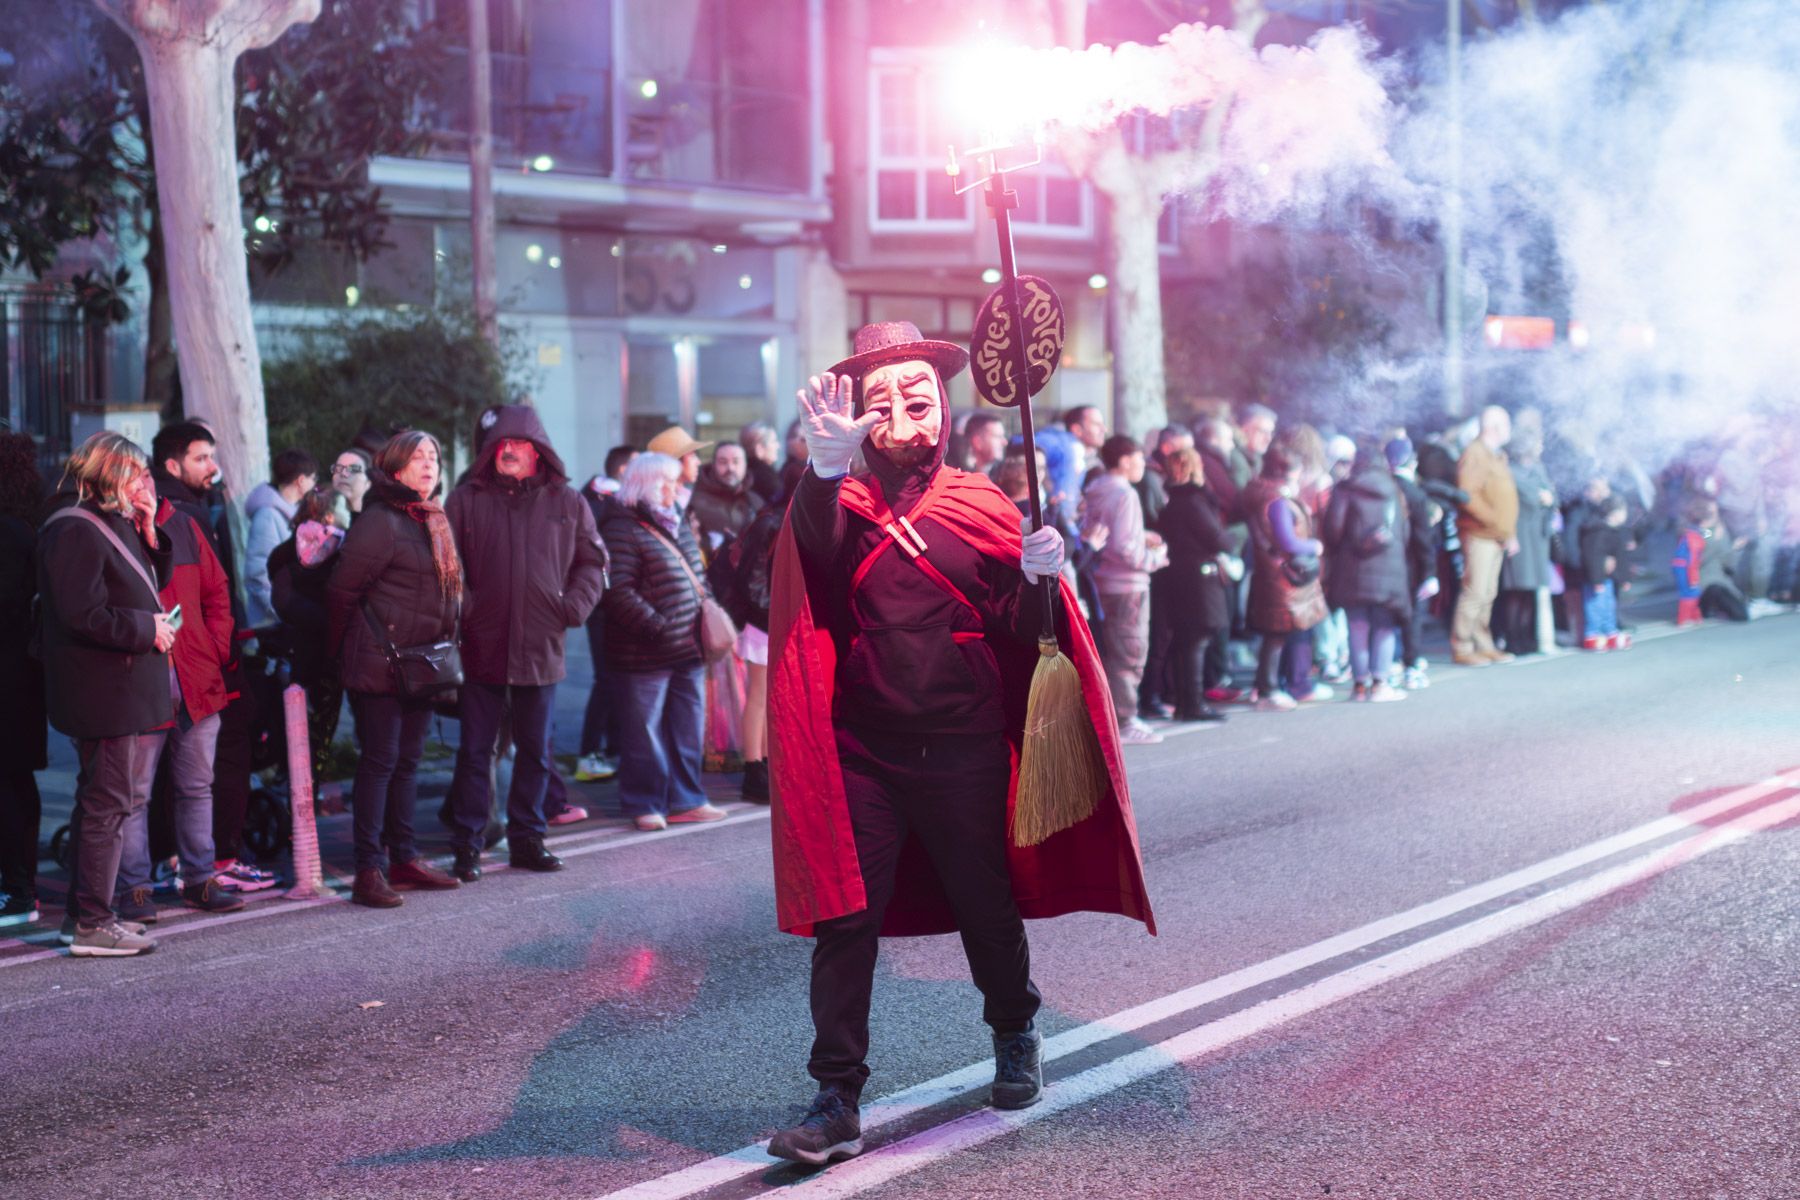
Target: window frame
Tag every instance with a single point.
(886, 62)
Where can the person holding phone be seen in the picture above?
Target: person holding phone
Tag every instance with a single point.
(106, 643)
(197, 597)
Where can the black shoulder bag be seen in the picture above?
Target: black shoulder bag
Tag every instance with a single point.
(425, 672)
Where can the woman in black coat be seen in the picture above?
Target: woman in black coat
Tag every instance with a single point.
(1366, 531)
(1191, 589)
(299, 575)
(23, 728)
(653, 645)
(398, 583)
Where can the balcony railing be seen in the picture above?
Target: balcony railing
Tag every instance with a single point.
(557, 117)
(547, 116)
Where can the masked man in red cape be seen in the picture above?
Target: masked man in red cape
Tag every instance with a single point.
(904, 625)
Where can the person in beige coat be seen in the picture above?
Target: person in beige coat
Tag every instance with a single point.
(1488, 524)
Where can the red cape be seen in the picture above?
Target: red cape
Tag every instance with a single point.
(1093, 866)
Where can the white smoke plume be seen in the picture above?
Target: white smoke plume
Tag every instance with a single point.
(1635, 168)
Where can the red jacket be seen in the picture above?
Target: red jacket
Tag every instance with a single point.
(197, 582)
(1093, 866)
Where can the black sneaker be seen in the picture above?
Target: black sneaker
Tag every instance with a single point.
(1018, 1068)
(210, 897)
(136, 905)
(19, 910)
(756, 781)
(831, 1130)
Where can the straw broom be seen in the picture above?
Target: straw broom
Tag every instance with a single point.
(1061, 772)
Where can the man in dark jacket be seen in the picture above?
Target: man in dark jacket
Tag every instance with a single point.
(106, 644)
(533, 567)
(723, 503)
(1421, 554)
(1366, 534)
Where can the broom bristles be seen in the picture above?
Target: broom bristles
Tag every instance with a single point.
(1061, 772)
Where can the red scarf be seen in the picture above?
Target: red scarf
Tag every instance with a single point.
(443, 545)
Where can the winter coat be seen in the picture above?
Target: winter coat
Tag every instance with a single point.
(1492, 510)
(1276, 605)
(533, 565)
(1366, 531)
(211, 512)
(1421, 536)
(1190, 588)
(24, 731)
(722, 512)
(1225, 480)
(300, 595)
(271, 521)
(1125, 561)
(652, 610)
(739, 573)
(105, 678)
(1529, 569)
(384, 565)
(197, 582)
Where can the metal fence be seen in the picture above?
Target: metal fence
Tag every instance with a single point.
(54, 362)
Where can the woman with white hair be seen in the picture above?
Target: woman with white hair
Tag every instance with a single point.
(652, 610)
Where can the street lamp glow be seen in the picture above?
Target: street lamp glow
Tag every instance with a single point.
(991, 275)
(263, 224)
(647, 89)
(720, 248)
(744, 281)
(556, 262)
(1097, 281)
(534, 253)
(543, 162)
(352, 296)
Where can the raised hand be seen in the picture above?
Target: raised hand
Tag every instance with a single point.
(833, 435)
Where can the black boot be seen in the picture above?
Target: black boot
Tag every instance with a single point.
(756, 781)
(467, 866)
(1018, 1068)
(831, 1129)
(527, 852)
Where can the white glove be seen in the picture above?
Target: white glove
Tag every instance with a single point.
(832, 434)
(1041, 555)
(1428, 589)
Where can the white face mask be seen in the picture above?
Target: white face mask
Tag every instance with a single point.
(912, 408)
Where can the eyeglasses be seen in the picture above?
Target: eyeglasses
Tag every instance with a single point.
(347, 469)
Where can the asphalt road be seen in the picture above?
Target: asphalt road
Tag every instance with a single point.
(1532, 933)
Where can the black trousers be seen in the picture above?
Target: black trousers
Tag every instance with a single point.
(950, 791)
(21, 810)
(1189, 653)
(1159, 676)
(231, 775)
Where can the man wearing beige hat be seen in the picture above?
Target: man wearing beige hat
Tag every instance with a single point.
(680, 445)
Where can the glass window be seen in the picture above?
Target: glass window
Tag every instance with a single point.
(911, 189)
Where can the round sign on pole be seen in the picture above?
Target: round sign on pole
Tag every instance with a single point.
(993, 351)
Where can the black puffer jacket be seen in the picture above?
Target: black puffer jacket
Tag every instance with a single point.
(386, 562)
(652, 610)
(1365, 531)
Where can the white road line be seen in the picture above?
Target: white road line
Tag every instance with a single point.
(267, 909)
(940, 1142)
(750, 1159)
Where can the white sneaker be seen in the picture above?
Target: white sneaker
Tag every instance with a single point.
(1276, 702)
(592, 767)
(112, 940)
(241, 876)
(698, 814)
(569, 816)
(1319, 692)
(1383, 693)
(1136, 733)
(651, 822)
(1416, 679)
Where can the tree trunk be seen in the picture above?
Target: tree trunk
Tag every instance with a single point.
(189, 49)
(161, 373)
(1134, 308)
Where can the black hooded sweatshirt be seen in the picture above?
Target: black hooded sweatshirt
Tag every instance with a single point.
(901, 666)
(533, 564)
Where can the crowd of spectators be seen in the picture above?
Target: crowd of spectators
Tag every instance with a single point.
(1242, 560)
